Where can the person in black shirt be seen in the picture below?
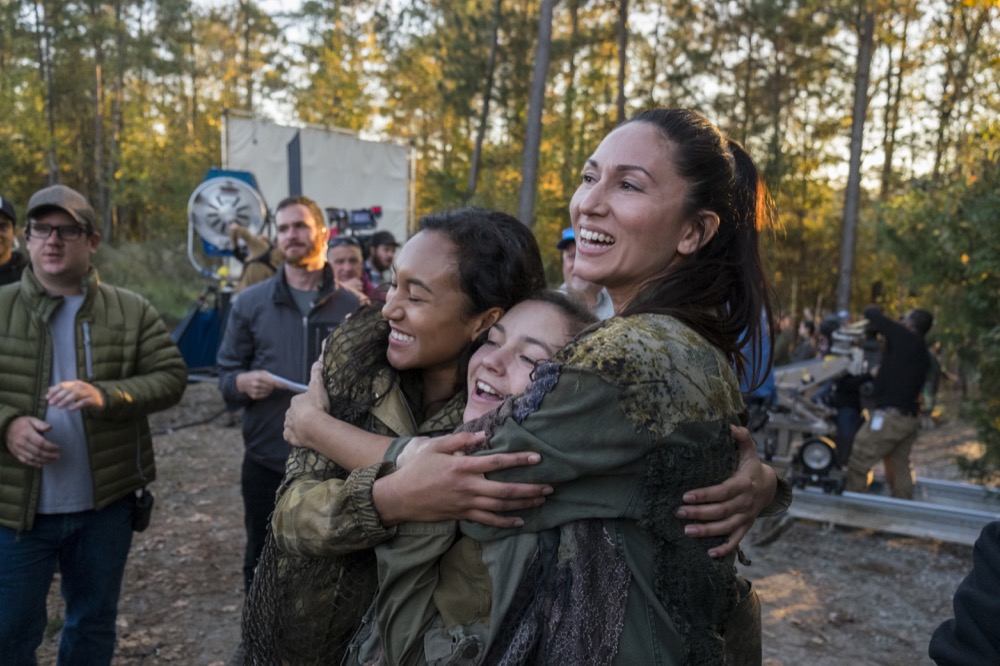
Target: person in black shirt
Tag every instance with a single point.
(12, 262)
(893, 425)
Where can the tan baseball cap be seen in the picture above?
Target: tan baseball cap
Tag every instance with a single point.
(66, 199)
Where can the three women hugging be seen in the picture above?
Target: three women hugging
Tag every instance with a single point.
(484, 474)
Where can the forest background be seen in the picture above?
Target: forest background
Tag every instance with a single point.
(875, 123)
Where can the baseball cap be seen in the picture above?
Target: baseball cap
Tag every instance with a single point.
(66, 199)
(7, 209)
(383, 238)
(567, 237)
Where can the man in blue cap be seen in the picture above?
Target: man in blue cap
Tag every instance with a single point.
(594, 296)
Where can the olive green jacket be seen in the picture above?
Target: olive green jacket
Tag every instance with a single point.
(626, 420)
(122, 348)
(319, 516)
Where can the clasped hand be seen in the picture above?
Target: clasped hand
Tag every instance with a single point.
(26, 435)
(306, 406)
(435, 480)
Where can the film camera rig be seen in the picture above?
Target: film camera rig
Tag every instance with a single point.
(796, 432)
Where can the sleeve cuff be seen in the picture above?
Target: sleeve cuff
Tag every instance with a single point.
(396, 447)
(359, 486)
(782, 499)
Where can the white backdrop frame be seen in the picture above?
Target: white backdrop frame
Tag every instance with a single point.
(338, 169)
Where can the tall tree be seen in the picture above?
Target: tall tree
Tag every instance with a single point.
(484, 116)
(43, 35)
(898, 66)
(962, 30)
(536, 102)
(622, 55)
(866, 29)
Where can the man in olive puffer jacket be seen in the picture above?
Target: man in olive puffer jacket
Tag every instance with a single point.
(82, 364)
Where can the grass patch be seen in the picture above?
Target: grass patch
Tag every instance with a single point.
(157, 269)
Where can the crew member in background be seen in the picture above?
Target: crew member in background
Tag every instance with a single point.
(82, 364)
(344, 255)
(274, 334)
(258, 255)
(783, 341)
(12, 262)
(381, 251)
(893, 424)
(805, 349)
(593, 295)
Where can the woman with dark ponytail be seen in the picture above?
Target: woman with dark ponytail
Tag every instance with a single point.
(628, 418)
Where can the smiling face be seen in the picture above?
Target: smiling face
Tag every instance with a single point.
(530, 332)
(60, 265)
(629, 213)
(428, 314)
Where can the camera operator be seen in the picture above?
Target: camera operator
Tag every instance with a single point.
(893, 425)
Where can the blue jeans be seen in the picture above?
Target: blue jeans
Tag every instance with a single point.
(90, 548)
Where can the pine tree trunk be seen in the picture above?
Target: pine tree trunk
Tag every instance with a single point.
(536, 102)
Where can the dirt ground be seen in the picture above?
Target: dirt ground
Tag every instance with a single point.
(830, 596)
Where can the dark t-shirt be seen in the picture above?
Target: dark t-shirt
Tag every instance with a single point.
(904, 365)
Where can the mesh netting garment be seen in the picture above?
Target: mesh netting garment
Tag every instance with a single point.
(304, 610)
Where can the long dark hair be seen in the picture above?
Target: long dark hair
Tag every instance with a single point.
(722, 292)
(499, 264)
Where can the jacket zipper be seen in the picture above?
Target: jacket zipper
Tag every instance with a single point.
(88, 356)
(306, 363)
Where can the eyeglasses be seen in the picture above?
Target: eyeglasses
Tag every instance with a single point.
(66, 232)
(6, 225)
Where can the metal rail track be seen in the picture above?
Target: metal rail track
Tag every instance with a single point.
(942, 510)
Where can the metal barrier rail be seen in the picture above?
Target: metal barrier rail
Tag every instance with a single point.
(943, 510)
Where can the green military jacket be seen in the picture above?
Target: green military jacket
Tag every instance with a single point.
(626, 420)
(122, 348)
(319, 513)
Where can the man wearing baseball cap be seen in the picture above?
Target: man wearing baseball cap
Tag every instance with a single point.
(83, 365)
(593, 295)
(12, 262)
(381, 251)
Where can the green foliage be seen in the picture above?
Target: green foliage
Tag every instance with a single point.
(124, 100)
(158, 269)
(945, 231)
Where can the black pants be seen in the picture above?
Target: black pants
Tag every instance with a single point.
(259, 485)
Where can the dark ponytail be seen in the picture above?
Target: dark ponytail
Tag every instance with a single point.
(722, 292)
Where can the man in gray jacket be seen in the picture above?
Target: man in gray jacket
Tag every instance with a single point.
(274, 334)
(82, 364)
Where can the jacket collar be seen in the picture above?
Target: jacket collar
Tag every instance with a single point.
(33, 292)
(283, 293)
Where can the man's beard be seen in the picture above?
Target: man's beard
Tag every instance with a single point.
(306, 259)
